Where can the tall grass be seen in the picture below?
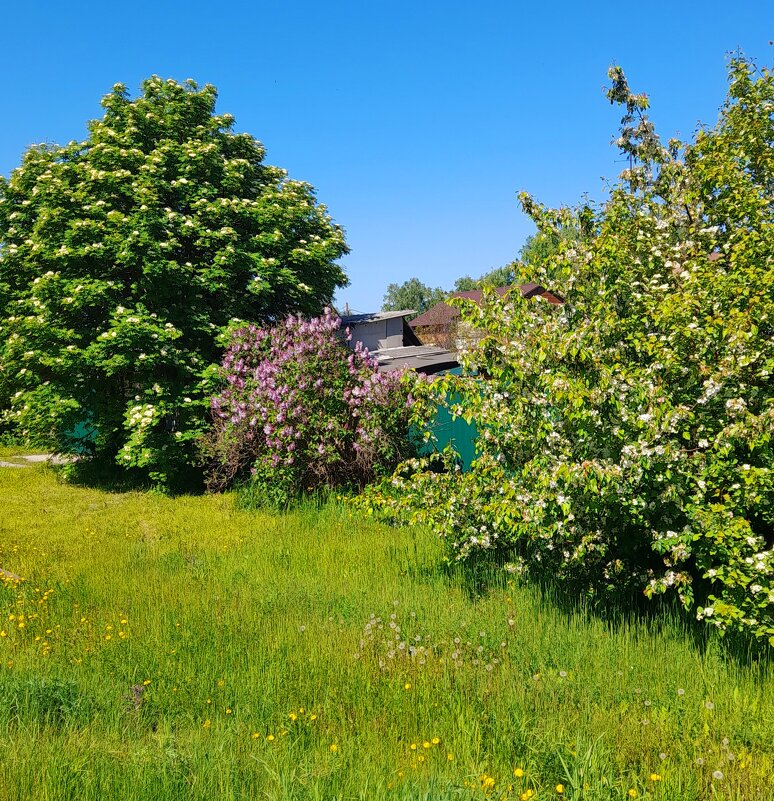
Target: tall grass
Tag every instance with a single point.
(183, 648)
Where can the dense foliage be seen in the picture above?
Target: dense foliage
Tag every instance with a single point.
(124, 257)
(411, 294)
(626, 438)
(301, 411)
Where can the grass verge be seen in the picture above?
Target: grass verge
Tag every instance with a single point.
(165, 648)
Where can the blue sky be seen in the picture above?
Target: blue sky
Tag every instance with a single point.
(416, 122)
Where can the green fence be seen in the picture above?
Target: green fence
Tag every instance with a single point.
(448, 430)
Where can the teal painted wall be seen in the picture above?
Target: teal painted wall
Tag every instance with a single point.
(461, 435)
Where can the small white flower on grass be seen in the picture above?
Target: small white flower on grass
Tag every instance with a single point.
(717, 774)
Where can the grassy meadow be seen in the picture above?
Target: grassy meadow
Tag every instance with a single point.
(165, 648)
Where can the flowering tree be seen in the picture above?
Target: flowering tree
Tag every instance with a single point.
(301, 411)
(626, 438)
(125, 256)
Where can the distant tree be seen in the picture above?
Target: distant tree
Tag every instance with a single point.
(466, 284)
(123, 258)
(500, 276)
(412, 294)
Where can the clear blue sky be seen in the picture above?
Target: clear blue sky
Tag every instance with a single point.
(417, 122)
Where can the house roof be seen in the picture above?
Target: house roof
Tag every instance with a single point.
(427, 359)
(442, 313)
(374, 317)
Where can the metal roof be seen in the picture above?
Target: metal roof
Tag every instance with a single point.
(374, 317)
(443, 314)
(427, 359)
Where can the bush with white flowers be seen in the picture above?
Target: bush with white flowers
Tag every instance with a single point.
(626, 438)
(124, 257)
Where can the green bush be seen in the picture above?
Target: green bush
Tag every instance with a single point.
(123, 258)
(300, 412)
(626, 437)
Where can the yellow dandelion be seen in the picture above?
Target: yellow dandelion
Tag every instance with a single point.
(312, 717)
(293, 716)
(450, 757)
(632, 793)
(560, 788)
(270, 738)
(435, 740)
(421, 758)
(207, 724)
(228, 710)
(654, 777)
(146, 682)
(527, 794)
(413, 746)
(301, 710)
(407, 685)
(426, 744)
(518, 773)
(334, 748)
(255, 735)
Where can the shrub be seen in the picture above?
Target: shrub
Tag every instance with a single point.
(626, 438)
(300, 411)
(124, 257)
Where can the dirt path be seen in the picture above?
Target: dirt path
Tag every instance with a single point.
(29, 459)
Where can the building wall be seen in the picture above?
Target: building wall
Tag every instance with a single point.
(379, 334)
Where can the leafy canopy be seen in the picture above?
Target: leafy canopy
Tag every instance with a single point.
(124, 257)
(626, 438)
(412, 294)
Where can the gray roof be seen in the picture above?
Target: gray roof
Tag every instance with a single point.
(373, 317)
(423, 358)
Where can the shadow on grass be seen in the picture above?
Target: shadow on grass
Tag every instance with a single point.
(95, 474)
(486, 573)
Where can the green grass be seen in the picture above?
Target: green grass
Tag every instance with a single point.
(179, 648)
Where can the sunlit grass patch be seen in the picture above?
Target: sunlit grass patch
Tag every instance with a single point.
(183, 648)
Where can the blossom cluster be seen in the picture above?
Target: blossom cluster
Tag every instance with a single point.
(300, 410)
(626, 438)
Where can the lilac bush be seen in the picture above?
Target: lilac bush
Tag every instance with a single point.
(300, 411)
